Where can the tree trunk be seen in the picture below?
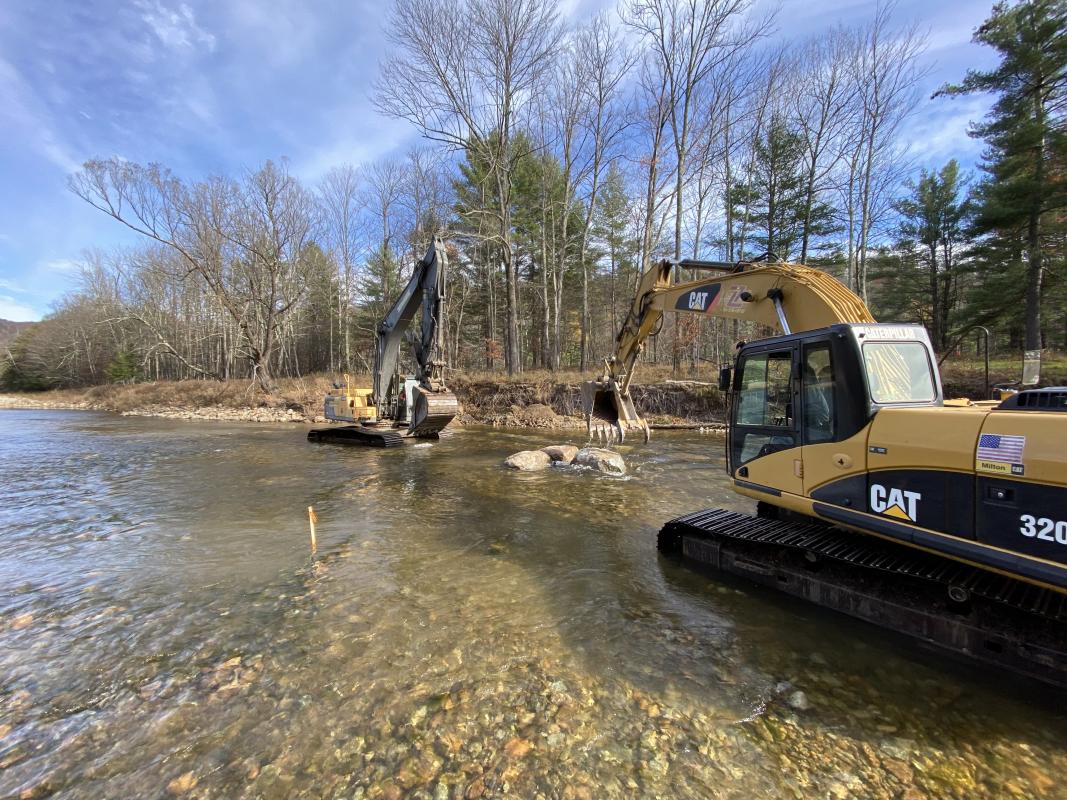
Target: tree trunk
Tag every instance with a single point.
(935, 306)
(1033, 241)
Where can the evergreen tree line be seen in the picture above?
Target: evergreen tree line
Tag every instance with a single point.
(560, 162)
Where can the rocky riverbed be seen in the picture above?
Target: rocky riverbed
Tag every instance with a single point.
(460, 631)
(513, 716)
(39, 400)
(544, 404)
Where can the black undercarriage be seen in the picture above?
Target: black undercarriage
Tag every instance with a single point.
(955, 607)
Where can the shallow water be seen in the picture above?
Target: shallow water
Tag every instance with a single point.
(461, 631)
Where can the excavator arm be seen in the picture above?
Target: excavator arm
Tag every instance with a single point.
(432, 405)
(788, 297)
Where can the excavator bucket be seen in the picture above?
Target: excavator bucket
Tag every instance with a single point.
(610, 412)
(431, 412)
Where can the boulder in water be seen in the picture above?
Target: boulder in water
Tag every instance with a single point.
(528, 460)
(599, 458)
(561, 453)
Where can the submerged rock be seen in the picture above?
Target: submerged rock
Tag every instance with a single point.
(561, 453)
(528, 460)
(602, 459)
(799, 701)
(183, 783)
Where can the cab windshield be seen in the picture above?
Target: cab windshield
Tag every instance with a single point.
(899, 372)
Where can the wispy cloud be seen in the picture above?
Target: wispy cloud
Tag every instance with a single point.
(354, 145)
(15, 311)
(66, 266)
(25, 118)
(176, 28)
(284, 30)
(940, 131)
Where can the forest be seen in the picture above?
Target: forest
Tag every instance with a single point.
(558, 161)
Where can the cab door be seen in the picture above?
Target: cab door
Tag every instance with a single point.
(764, 438)
(834, 452)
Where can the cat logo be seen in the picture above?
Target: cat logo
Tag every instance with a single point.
(895, 502)
(698, 301)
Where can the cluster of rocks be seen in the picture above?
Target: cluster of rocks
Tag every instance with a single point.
(21, 401)
(222, 413)
(601, 459)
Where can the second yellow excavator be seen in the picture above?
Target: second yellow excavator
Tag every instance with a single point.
(942, 519)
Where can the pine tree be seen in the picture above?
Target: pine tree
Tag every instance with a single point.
(932, 225)
(124, 368)
(1025, 133)
(774, 197)
(611, 223)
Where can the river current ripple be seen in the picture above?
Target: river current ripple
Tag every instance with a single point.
(460, 631)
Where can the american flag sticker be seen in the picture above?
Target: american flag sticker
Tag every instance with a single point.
(1000, 453)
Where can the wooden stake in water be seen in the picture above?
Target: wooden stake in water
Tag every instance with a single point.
(312, 519)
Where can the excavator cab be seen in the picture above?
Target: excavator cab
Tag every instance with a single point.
(823, 386)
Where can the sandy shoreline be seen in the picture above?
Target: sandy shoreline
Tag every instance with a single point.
(533, 416)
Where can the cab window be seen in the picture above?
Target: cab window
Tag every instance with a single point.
(765, 398)
(764, 410)
(817, 377)
(899, 372)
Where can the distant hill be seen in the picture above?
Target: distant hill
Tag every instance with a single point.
(9, 330)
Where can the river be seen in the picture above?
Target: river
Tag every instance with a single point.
(460, 631)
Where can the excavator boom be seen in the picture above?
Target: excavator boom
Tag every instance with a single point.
(426, 404)
(788, 297)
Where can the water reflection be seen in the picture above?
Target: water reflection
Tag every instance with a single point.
(464, 631)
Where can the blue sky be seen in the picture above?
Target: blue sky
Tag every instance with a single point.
(218, 87)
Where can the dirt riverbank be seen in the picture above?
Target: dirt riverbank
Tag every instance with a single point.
(538, 403)
(532, 400)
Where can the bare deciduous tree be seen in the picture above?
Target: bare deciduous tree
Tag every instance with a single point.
(342, 203)
(244, 240)
(464, 74)
(885, 74)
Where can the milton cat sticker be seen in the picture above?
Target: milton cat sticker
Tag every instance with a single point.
(1000, 454)
(897, 503)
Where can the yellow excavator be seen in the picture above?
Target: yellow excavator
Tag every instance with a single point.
(400, 408)
(942, 519)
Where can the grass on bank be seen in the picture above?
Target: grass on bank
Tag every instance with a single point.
(961, 376)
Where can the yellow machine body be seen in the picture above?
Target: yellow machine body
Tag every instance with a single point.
(350, 404)
(843, 420)
(911, 475)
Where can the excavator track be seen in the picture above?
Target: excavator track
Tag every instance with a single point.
(954, 607)
(358, 434)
